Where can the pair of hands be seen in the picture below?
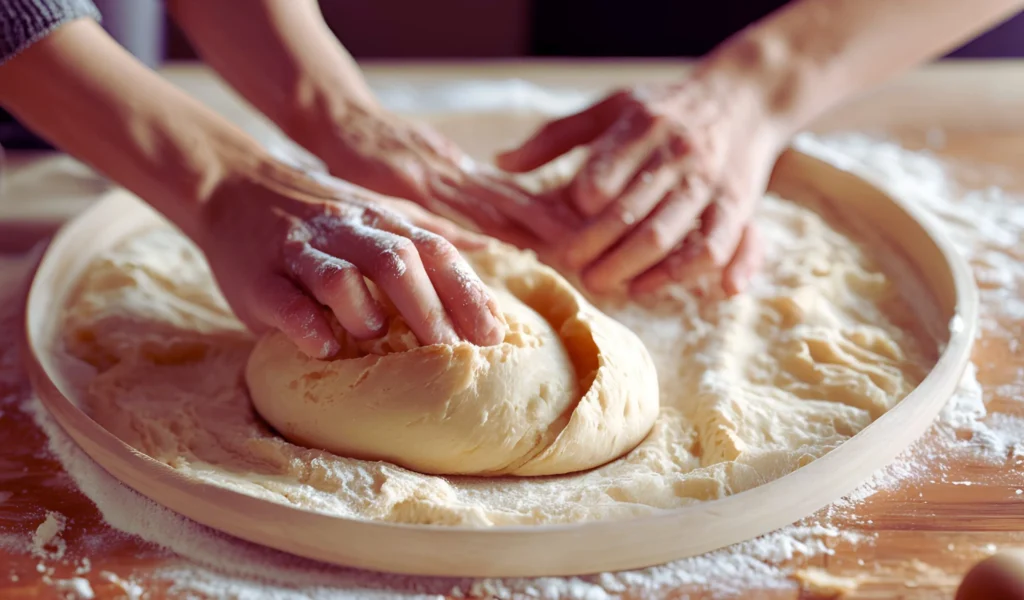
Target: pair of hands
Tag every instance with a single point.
(666, 193)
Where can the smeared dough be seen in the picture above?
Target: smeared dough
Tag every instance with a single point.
(567, 390)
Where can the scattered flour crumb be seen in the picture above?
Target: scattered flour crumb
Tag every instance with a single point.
(132, 590)
(84, 567)
(822, 583)
(47, 536)
(76, 588)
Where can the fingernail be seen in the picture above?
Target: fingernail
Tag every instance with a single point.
(330, 349)
(495, 327)
(446, 333)
(376, 323)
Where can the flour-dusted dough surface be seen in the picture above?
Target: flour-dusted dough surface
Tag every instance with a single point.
(568, 389)
(751, 388)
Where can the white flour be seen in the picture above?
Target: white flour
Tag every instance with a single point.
(984, 225)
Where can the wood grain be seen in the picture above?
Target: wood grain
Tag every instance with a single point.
(924, 535)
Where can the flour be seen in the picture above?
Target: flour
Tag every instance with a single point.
(982, 224)
(46, 541)
(76, 587)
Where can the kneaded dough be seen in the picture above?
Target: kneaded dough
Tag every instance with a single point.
(568, 389)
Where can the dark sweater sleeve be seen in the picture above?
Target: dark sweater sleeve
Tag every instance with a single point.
(25, 22)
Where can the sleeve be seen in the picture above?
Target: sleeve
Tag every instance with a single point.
(25, 22)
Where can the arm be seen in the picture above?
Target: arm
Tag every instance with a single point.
(674, 171)
(284, 59)
(280, 244)
(81, 90)
(812, 55)
(281, 56)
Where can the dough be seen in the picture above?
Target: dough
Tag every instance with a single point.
(568, 389)
(751, 387)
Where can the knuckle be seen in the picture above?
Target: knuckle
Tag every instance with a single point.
(374, 216)
(340, 278)
(621, 212)
(675, 267)
(293, 309)
(403, 247)
(433, 244)
(659, 236)
(295, 244)
(393, 258)
(678, 143)
(692, 186)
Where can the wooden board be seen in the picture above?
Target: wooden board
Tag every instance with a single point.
(521, 551)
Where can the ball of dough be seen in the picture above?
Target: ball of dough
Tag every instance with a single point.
(568, 389)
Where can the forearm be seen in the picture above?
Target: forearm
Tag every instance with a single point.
(282, 57)
(813, 54)
(87, 95)
(24, 22)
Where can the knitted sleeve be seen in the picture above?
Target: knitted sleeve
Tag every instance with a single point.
(24, 22)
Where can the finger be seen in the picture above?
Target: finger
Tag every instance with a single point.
(467, 300)
(654, 239)
(392, 262)
(557, 137)
(615, 159)
(281, 305)
(340, 286)
(677, 267)
(469, 303)
(451, 231)
(748, 260)
(482, 215)
(724, 224)
(640, 198)
(536, 217)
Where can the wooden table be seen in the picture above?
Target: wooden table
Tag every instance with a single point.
(925, 535)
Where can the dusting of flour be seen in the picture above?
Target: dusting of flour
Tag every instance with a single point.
(979, 222)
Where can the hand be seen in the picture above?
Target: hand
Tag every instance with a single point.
(670, 183)
(396, 157)
(283, 245)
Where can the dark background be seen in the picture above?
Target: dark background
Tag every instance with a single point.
(431, 29)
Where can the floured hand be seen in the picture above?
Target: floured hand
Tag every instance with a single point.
(671, 180)
(397, 157)
(283, 245)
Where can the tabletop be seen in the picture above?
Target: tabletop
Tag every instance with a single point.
(915, 538)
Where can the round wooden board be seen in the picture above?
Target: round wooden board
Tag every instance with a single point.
(540, 550)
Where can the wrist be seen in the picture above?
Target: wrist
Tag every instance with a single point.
(766, 68)
(318, 115)
(221, 159)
